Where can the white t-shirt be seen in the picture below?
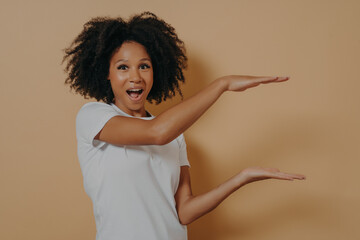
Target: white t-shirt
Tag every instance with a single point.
(132, 187)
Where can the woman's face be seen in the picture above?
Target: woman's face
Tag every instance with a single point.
(131, 77)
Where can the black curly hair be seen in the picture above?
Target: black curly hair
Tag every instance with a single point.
(88, 57)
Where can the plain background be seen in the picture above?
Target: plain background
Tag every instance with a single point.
(307, 125)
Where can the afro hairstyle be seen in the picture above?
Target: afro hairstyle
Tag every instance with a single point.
(88, 56)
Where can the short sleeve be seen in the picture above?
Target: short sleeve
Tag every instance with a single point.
(183, 152)
(91, 119)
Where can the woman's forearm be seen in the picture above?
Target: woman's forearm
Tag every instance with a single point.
(174, 121)
(193, 207)
(197, 206)
(177, 119)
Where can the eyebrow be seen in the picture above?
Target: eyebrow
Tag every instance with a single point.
(125, 60)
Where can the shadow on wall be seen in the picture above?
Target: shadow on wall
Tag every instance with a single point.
(230, 224)
(283, 213)
(195, 80)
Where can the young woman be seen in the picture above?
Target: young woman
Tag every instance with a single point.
(135, 165)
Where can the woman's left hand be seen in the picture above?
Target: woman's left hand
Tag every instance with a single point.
(253, 174)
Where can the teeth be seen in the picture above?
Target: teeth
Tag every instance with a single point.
(135, 90)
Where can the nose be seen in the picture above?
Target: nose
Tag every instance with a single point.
(135, 76)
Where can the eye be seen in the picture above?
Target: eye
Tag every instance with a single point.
(122, 67)
(144, 66)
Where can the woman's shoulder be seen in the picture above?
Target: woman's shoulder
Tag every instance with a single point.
(95, 105)
(95, 110)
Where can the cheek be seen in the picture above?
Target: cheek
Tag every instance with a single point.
(150, 82)
(118, 79)
(117, 85)
(150, 76)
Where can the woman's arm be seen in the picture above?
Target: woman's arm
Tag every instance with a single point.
(171, 123)
(191, 207)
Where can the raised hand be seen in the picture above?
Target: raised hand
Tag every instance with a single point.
(241, 82)
(253, 174)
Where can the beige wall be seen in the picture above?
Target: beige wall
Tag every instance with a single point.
(308, 125)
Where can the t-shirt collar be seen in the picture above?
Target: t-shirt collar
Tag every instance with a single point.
(128, 115)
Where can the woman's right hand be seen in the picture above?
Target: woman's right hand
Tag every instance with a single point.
(241, 82)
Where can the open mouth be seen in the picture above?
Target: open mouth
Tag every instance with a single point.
(135, 94)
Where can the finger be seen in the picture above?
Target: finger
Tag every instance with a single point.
(266, 79)
(299, 176)
(278, 79)
(281, 177)
(296, 175)
(282, 79)
(286, 176)
(292, 175)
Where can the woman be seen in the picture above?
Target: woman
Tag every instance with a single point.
(135, 165)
